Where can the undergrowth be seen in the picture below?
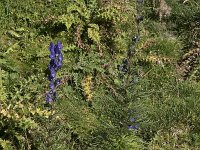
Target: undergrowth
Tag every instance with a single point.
(128, 81)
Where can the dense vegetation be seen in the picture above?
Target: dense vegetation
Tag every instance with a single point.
(125, 83)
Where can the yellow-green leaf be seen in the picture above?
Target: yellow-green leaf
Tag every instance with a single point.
(93, 34)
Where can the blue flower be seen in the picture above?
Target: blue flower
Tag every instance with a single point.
(60, 57)
(48, 98)
(51, 85)
(52, 63)
(59, 64)
(132, 119)
(59, 44)
(52, 52)
(52, 72)
(135, 127)
(130, 127)
(58, 48)
(50, 77)
(51, 47)
(57, 82)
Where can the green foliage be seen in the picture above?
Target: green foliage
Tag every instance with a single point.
(185, 22)
(92, 110)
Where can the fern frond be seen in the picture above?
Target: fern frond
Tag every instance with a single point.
(6, 145)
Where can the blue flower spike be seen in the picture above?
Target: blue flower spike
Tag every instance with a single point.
(55, 64)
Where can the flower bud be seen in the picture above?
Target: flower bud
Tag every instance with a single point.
(59, 44)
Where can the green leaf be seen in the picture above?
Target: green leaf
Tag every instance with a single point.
(13, 34)
(93, 32)
(6, 145)
(68, 20)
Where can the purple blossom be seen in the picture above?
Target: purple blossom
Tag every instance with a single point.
(50, 77)
(59, 64)
(135, 127)
(51, 47)
(58, 48)
(60, 57)
(130, 127)
(51, 85)
(52, 72)
(52, 52)
(59, 44)
(57, 82)
(48, 98)
(54, 65)
(132, 119)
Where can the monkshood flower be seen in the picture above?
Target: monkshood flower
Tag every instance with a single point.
(132, 119)
(55, 64)
(135, 127)
(57, 82)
